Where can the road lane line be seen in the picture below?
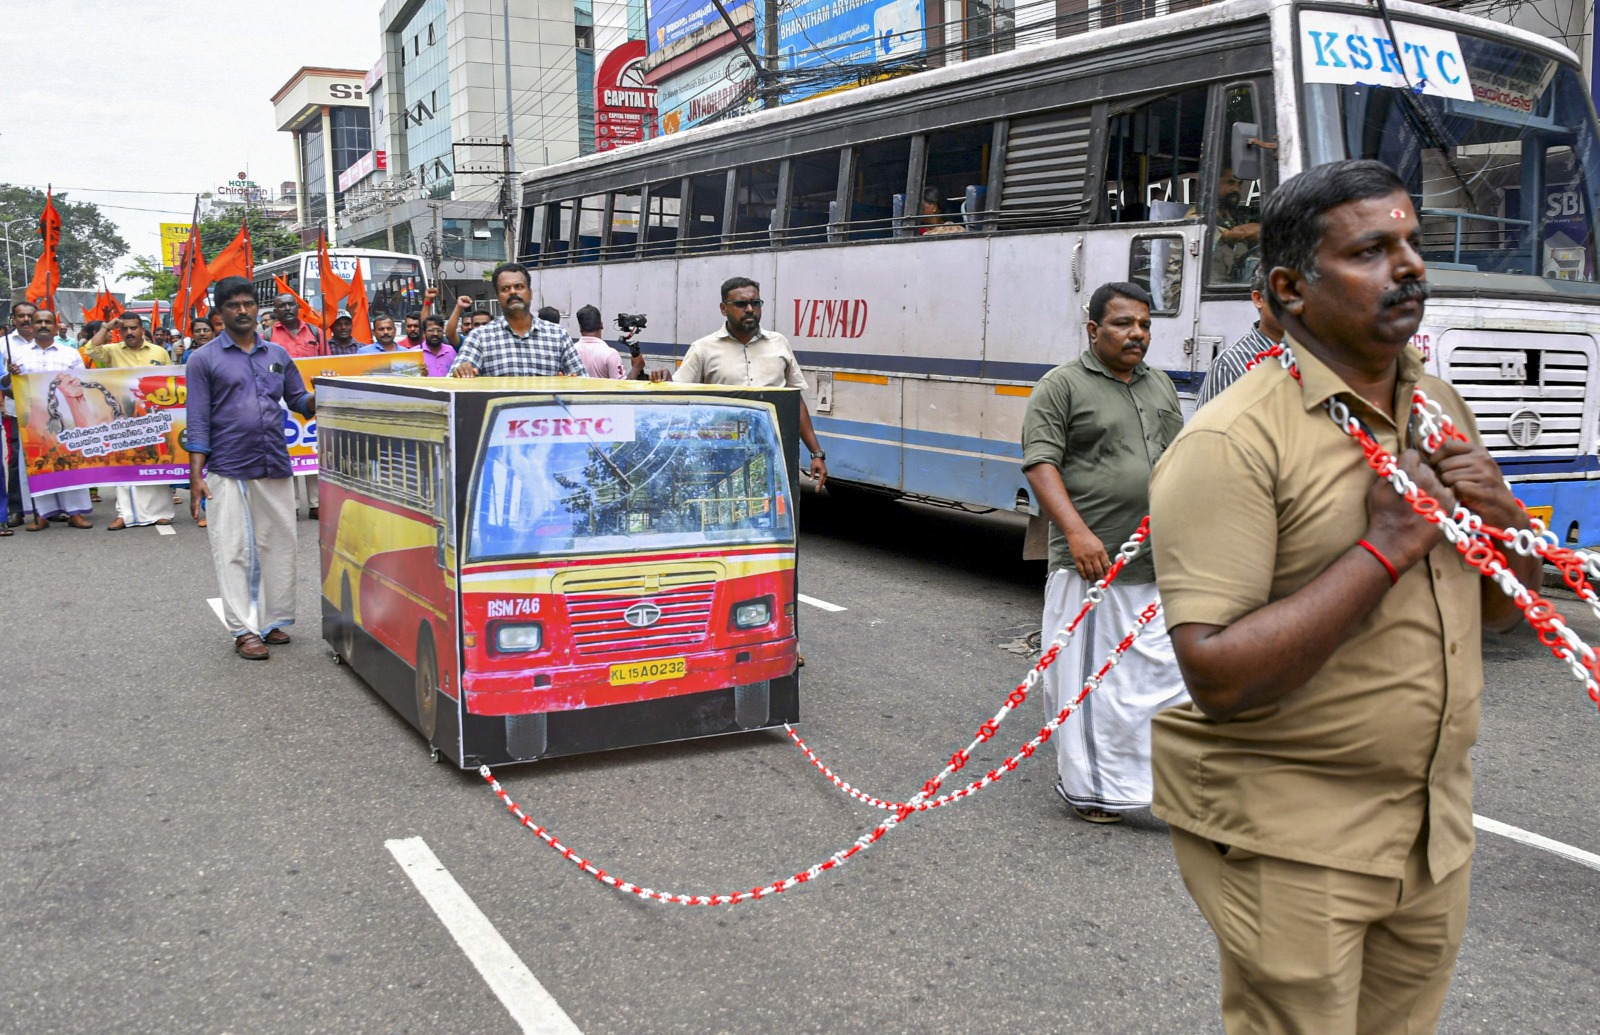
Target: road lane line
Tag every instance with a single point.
(519, 991)
(216, 605)
(1528, 837)
(166, 530)
(814, 602)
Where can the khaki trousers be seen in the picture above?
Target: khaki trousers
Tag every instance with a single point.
(252, 532)
(1324, 951)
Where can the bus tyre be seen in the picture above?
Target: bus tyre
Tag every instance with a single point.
(752, 705)
(527, 736)
(347, 622)
(427, 671)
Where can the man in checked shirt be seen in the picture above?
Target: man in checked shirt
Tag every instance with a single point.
(517, 344)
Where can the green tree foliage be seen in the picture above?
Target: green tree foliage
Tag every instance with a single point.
(270, 238)
(90, 243)
(159, 282)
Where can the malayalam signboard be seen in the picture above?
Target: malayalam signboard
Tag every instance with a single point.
(668, 21)
(719, 88)
(815, 33)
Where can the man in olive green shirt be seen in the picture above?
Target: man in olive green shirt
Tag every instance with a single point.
(1094, 429)
(1319, 787)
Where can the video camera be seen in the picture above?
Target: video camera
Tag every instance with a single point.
(631, 323)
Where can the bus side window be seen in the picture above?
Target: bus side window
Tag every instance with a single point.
(1046, 167)
(586, 242)
(1153, 158)
(624, 225)
(755, 197)
(558, 238)
(957, 169)
(1235, 230)
(707, 198)
(1155, 263)
(661, 223)
(880, 173)
(532, 234)
(816, 182)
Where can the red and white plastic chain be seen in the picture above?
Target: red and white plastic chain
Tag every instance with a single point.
(1092, 598)
(860, 844)
(1471, 536)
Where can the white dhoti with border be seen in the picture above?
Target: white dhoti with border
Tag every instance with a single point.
(1103, 750)
(252, 532)
(144, 504)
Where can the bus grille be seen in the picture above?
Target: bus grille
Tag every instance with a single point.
(1527, 401)
(599, 625)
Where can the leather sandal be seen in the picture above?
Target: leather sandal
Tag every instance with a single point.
(79, 521)
(1097, 815)
(250, 648)
(117, 525)
(38, 524)
(276, 637)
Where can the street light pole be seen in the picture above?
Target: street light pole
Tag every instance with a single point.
(11, 282)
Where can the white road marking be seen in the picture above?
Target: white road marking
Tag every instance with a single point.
(166, 530)
(216, 605)
(519, 991)
(814, 602)
(1528, 837)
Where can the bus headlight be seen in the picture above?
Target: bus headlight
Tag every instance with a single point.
(519, 638)
(752, 614)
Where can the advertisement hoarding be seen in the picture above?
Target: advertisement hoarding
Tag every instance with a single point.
(720, 88)
(623, 103)
(669, 21)
(829, 33)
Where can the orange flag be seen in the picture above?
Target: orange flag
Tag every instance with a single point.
(110, 309)
(47, 271)
(193, 279)
(307, 314)
(238, 259)
(361, 323)
(155, 314)
(334, 288)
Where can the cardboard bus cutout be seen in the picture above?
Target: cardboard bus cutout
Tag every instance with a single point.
(532, 567)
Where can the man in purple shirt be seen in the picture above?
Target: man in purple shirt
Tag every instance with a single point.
(238, 385)
(436, 352)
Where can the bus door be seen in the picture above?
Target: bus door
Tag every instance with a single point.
(1164, 261)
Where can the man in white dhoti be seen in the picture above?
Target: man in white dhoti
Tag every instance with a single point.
(1094, 429)
(48, 354)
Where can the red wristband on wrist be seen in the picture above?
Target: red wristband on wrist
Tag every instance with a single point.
(1394, 576)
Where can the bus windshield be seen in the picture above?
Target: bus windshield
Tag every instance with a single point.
(1502, 183)
(394, 282)
(611, 477)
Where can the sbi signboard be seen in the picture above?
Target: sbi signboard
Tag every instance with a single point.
(814, 34)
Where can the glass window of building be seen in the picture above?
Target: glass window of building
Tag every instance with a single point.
(313, 170)
(425, 85)
(474, 239)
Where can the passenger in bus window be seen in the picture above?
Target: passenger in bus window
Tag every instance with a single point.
(1092, 433)
(599, 358)
(517, 344)
(934, 219)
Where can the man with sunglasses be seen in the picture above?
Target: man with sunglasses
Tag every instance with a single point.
(741, 353)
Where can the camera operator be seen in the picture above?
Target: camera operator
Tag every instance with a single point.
(599, 359)
(632, 324)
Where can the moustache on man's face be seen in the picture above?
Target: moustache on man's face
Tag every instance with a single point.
(1410, 291)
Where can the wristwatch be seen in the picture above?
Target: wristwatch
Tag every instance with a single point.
(819, 455)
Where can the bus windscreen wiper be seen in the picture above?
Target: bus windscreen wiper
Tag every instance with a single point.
(1417, 113)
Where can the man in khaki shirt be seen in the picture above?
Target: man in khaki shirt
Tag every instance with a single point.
(1319, 787)
(136, 504)
(741, 353)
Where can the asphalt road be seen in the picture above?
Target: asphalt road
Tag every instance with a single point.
(197, 844)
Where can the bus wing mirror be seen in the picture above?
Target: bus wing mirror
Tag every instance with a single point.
(1245, 155)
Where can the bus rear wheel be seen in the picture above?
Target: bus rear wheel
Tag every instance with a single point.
(427, 684)
(347, 623)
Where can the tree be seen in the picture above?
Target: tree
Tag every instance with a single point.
(89, 246)
(160, 282)
(268, 237)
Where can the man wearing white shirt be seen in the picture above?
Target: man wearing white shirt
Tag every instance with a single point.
(19, 337)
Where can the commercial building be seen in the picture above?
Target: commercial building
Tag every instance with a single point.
(326, 112)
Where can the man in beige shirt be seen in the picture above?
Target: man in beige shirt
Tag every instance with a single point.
(1319, 787)
(741, 353)
(136, 504)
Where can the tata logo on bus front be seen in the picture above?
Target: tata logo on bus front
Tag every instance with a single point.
(830, 317)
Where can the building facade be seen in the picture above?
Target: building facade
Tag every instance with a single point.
(326, 112)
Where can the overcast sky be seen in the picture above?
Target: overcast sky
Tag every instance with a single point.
(169, 97)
